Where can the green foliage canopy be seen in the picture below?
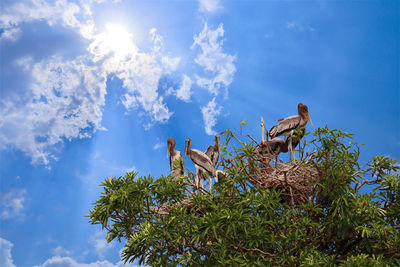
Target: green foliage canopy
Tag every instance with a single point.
(242, 224)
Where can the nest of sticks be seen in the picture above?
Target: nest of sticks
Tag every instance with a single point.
(295, 179)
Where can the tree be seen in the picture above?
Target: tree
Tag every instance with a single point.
(312, 212)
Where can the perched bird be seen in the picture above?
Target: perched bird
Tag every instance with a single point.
(201, 161)
(176, 161)
(213, 151)
(272, 148)
(286, 126)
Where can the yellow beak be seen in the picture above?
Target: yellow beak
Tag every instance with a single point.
(309, 118)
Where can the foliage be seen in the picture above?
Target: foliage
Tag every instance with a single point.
(242, 224)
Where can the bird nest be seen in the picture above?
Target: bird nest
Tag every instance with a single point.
(294, 179)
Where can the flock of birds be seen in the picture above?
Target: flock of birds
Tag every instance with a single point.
(293, 128)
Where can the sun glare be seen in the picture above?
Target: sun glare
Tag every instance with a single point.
(118, 39)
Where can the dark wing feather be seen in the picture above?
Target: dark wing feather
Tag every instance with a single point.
(284, 126)
(271, 146)
(213, 154)
(201, 159)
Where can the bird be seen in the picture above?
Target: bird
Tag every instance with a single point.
(201, 161)
(176, 161)
(213, 153)
(272, 148)
(286, 126)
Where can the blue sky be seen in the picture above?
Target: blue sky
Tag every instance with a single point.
(92, 89)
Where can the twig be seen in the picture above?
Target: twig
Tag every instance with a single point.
(263, 253)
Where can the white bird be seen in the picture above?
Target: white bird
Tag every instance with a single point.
(201, 161)
(286, 126)
(176, 162)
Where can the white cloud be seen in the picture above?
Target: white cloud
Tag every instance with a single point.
(6, 259)
(64, 101)
(58, 261)
(130, 169)
(210, 114)
(10, 34)
(217, 65)
(159, 145)
(140, 73)
(59, 251)
(290, 25)
(209, 5)
(60, 11)
(184, 92)
(5, 253)
(12, 203)
(100, 244)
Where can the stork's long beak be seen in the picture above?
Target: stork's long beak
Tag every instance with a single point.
(309, 118)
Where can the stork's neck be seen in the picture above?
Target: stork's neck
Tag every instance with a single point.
(173, 152)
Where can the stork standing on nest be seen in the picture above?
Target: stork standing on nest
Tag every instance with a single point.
(176, 161)
(287, 126)
(272, 148)
(200, 160)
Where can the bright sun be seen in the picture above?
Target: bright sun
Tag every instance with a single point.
(118, 40)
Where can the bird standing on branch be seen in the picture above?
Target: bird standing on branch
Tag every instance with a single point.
(200, 160)
(176, 161)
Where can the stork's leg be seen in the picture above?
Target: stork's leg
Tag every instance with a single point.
(209, 183)
(293, 152)
(197, 177)
(276, 161)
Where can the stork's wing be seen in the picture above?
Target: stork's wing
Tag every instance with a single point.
(284, 126)
(201, 159)
(213, 154)
(272, 146)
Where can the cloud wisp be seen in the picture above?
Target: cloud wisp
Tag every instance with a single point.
(12, 204)
(210, 113)
(210, 6)
(218, 67)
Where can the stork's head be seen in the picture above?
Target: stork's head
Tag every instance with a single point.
(303, 111)
(188, 143)
(170, 145)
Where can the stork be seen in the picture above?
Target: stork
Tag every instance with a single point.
(201, 161)
(272, 148)
(286, 126)
(213, 153)
(176, 161)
